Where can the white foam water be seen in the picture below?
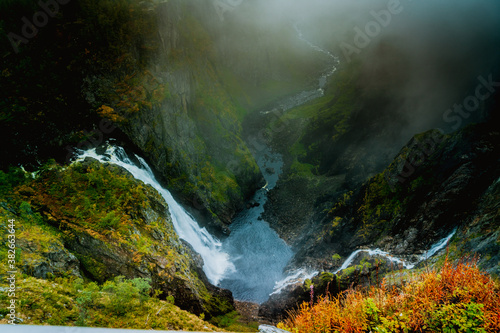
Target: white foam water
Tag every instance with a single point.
(378, 252)
(297, 276)
(216, 262)
(437, 247)
(300, 275)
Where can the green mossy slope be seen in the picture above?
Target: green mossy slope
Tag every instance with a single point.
(97, 222)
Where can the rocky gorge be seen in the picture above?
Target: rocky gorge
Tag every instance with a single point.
(294, 170)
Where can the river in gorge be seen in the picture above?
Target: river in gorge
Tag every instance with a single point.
(251, 260)
(256, 251)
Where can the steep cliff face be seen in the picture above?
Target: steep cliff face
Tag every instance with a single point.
(336, 148)
(480, 233)
(176, 111)
(435, 184)
(97, 221)
(176, 77)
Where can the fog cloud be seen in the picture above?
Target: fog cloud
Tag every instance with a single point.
(426, 59)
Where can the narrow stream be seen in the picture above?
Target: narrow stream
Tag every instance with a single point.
(300, 275)
(306, 96)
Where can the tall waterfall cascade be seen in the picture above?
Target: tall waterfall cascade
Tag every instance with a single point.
(216, 261)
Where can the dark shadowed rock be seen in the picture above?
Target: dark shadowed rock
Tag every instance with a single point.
(51, 259)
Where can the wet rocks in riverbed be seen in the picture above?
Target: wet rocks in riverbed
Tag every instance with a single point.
(270, 171)
(252, 204)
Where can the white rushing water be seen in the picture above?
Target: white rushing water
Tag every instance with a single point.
(256, 250)
(216, 261)
(299, 276)
(437, 247)
(378, 252)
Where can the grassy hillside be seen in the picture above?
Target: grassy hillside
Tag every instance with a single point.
(118, 303)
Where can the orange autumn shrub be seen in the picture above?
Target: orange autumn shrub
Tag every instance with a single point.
(457, 298)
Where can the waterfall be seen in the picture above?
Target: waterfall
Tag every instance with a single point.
(299, 276)
(378, 252)
(216, 262)
(437, 247)
(251, 259)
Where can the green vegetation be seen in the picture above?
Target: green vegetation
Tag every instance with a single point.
(458, 318)
(70, 222)
(118, 303)
(322, 122)
(456, 298)
(379, 206)
(351, 269)
(381, 200)
(232, 322)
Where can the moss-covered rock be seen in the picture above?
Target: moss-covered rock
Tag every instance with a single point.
(97, 221)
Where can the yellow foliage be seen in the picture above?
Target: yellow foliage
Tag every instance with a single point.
(110, 114)
(423, 304)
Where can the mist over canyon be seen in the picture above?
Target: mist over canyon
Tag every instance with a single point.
(229, 160)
